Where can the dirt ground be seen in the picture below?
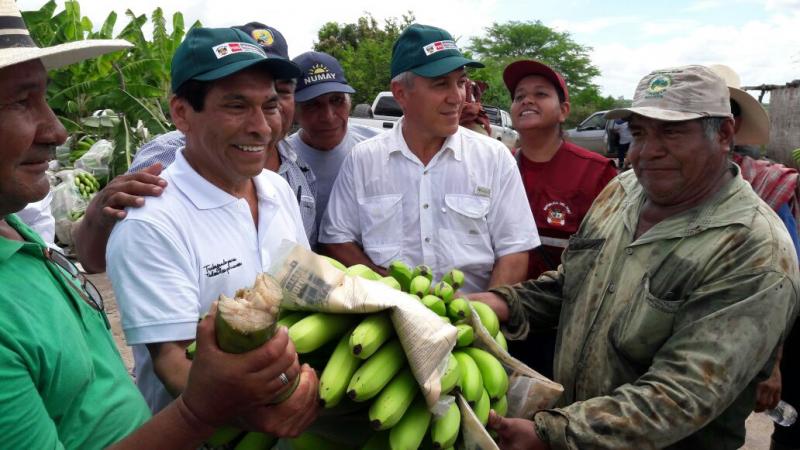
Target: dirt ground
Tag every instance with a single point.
(759, 426)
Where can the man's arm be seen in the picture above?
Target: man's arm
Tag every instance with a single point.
(171, 365)
(106, 208)
(350, 253)
(509, 269)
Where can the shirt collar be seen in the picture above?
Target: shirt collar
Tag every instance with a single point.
(8, 247)
(205, 195)
(453, 143)
(727, 207)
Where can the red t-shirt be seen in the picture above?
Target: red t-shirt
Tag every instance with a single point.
(560, 193)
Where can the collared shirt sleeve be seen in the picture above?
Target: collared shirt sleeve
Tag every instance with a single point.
(161, 149)
(533, 304)
(510, 219)
(724, 334)
(154, 283)
(341, 224)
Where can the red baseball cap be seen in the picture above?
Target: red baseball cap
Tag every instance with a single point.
(518, 70)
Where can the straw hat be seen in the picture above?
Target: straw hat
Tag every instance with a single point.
(16, 45)
(755, 121)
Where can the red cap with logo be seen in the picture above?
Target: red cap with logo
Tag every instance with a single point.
(518, 70)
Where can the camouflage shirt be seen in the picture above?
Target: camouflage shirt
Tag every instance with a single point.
(662, 339)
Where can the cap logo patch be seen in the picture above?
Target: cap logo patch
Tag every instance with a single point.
(232, 48)
(658, 85)
(439, 46)
(263, 37)
(317, 73)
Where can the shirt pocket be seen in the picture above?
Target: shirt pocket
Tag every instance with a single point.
(644, 325)
(578, 260)
(465, 235)
(381, 219)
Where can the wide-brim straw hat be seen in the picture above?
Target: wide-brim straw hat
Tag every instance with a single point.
(17, 46)
(755, 120)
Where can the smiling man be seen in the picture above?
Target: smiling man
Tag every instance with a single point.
(428, 191)
(672, 295)
(221, 216)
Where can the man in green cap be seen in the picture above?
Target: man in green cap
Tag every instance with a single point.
(428, 191)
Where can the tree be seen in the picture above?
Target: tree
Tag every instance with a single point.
(364, 50)
(511, 41)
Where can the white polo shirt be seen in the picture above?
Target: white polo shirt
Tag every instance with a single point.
(465, 209)
(170, 259)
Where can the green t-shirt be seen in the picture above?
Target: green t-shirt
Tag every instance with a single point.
(63, 383)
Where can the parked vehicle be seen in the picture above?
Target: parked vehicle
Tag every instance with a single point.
(592, 134)
(502, 130)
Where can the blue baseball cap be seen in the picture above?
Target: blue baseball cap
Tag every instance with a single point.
(270, 39)
(321, 74)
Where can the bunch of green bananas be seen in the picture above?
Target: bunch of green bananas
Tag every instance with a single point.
(81, 147)
(86, 184)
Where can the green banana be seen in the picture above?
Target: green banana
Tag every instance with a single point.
(376, 372)
(313, 331)
(446, 319)
(451, 375)
(494, 376)
(389, 406)
(191, 349)
(500, 338)
(223, 435)
(423, 270)
(444, 291)
(360, 270)
(401, 272)
(370, 334)
(335, 263)
(435, 304)
(466, 335)
(311, 441)
(336, 375)
(458, 309)
(444, 429)
(454, 278)
(482, 408)
(411, 429)
(420, 286)
(391, 282)
(256, 441)
(470, 383)
(378, 441)
(290, 318)
(488, 317)
(501, 406)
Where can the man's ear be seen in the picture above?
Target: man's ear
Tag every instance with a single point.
(179, 110)
(399, 91)
(726, 133)
(564, 112)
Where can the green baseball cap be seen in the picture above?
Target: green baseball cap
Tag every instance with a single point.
(209, 54)
(428, 52)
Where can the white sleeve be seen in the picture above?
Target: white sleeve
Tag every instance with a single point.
(154, 283)
(340, 223)
(39, 216)
(510, 218)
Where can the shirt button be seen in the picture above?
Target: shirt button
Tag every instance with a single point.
(629, 251)
(612, 287)
(444, 210)
(427, 239)
(424, 172)
(425, 206)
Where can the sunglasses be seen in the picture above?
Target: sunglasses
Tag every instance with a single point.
(87, 290)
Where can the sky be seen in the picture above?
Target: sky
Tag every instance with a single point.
(760, 39)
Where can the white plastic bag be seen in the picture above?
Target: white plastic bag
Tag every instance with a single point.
(96, 160)
(68, 205)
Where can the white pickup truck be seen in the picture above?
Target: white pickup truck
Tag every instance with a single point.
(385, 111)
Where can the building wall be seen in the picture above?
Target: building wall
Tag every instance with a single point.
(784, 116)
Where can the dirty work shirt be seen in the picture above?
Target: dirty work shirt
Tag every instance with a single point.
(170, 259)
(62, 381)
(661, 338)
(294, 170)
(465, 209)
(326, 163)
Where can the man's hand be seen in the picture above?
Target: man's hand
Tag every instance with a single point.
(515, 434)
(768, 392)
(128, 190)
(498, 305)
(292, 416)
(107, 207)
(223, 386)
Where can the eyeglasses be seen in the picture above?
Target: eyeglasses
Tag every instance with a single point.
(87, 290)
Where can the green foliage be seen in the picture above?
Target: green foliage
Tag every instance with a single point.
(134, 82)
(507, 42)
(364, 49)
